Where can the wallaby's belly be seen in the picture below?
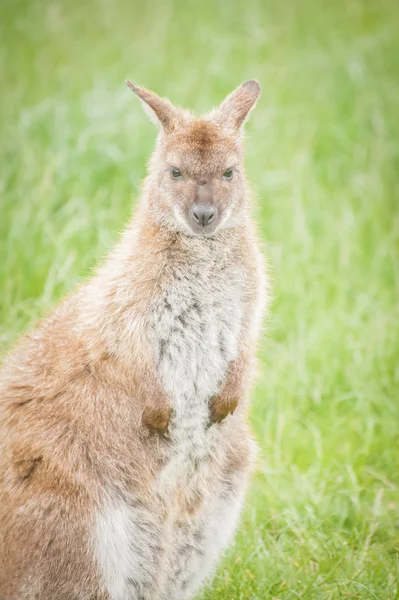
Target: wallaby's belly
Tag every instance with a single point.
(166, 555)
(198, 539)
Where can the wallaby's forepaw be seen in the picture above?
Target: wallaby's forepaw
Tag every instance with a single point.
(220, 407)
(156, 418)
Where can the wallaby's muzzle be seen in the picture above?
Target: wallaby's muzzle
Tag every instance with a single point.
(203, 212)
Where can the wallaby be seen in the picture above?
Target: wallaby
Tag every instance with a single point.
(124, 444)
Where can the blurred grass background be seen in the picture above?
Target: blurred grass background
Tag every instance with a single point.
(322, 516)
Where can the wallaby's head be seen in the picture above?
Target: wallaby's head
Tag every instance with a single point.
(197, 182)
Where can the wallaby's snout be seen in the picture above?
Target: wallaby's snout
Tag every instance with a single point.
(203, 214)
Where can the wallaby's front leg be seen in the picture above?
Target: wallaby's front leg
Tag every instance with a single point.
(237, 380)
(226, 401)
(156, 414)
(157, 409)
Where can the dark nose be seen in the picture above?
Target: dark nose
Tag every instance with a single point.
(203, 213)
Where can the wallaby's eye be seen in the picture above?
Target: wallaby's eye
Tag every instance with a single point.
(175, 174)
(228, 174)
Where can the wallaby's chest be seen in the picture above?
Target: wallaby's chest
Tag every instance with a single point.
(196, 327)
(198, 320)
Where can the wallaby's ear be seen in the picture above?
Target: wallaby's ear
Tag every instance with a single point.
(233, 112)
(160, 110)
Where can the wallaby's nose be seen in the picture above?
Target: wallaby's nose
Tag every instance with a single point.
(203, 214)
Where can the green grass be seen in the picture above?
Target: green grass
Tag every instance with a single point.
(322, 516)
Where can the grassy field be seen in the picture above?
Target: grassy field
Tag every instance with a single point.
(322, 516)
